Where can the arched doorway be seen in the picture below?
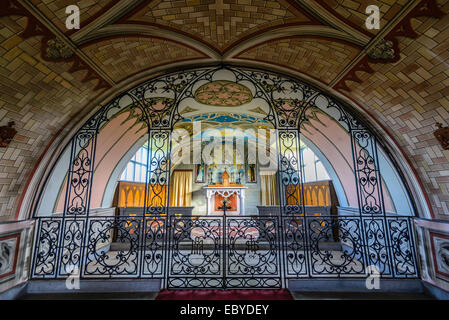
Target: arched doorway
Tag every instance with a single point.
(202, 251)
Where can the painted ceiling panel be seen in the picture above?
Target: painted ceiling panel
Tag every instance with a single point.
(224, 118)
(223, 93)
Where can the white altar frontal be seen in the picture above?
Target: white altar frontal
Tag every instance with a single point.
(234, 194)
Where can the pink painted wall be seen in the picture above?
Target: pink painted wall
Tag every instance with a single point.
(328, 139)
(113, 141)
(334, 142)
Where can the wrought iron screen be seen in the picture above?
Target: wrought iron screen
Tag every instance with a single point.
(229, 252)
(224, 252)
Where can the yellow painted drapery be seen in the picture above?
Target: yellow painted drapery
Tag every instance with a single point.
(268, 189)
(132, 194)
(181, 188)
(315, 194)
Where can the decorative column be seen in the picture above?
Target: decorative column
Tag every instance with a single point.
(242, 201)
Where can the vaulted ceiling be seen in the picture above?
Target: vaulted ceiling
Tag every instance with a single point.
(50, 76)
(119, 39)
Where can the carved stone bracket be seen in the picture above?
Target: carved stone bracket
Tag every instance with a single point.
(383, 50)
(7, 133)
(442, 135)
(57, 49)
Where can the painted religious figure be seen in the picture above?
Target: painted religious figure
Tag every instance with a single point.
(200, 173)
(251, 173)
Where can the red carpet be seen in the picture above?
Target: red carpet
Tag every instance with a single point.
(278, 294)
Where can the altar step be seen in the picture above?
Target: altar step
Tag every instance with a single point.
(340, 289)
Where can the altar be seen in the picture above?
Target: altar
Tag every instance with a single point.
(225, 195)
(234, 195)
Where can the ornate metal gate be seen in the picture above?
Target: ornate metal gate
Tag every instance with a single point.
(225, 252)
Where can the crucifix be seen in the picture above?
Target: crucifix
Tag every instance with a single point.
(225, 206)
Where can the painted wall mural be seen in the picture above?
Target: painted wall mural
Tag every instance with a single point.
(221, 117)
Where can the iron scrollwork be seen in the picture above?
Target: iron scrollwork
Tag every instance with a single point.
(367, 174)
(295, 246)
(252, 255)
(196, 253)
(158, 173)
(80, 173)
(402, 248)
(225, 252)
(290, 177)
(71, 246)
(338, 258)
(113, 247)
(154, 247)
(46, 248)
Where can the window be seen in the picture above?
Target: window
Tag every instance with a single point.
(312, 167)
(135, 170)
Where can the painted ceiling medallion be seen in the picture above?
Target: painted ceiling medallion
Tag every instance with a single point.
(223, 93)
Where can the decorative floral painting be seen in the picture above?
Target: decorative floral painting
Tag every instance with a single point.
(440, 251)
(9, 246)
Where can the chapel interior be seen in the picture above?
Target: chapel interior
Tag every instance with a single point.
(231, 144)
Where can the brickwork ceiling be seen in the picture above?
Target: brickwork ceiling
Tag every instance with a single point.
(49, 76)
(54, 10)
(322, 59)
(354, 11)
(125, 56)
(220, 23)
